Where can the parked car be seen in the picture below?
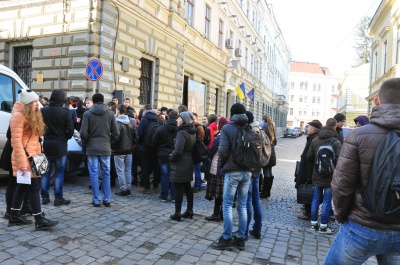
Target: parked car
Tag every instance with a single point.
(10, 83)
(300, 130)
(291, 132)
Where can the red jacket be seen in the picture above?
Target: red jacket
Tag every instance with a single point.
(213, 131)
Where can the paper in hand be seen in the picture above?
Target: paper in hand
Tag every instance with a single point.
(23, 177)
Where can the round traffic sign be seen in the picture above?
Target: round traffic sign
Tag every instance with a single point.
(94, 70)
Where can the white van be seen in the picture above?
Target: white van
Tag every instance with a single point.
(10, 83)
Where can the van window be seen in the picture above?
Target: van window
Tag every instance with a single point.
(7, 93)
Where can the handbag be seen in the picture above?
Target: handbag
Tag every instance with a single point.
(39, 163)
(305, 193)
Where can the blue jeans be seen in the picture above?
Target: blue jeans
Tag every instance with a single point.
(326, 204)
(197, 176)
(102, 164)
(254, 203)
(355, 243)
(123, 166)
(60, 163)
(166, 186)
(235, 181)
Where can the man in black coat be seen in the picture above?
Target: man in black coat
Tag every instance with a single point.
(340, 119)
(306, 167)
(59, 128)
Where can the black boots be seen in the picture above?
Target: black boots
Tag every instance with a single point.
(176, 217)
(266, 191)
(42, 223)
(26, 208)
(17, 219)
(188, 214)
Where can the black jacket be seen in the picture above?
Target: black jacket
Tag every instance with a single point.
(181, 157)
(340, 134)
(164, 137)
(59, 125)
(306, 167)
(227, 143)
(127, 136)
(5, 160)
(150, 116)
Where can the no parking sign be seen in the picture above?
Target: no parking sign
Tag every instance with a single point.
(94, 70)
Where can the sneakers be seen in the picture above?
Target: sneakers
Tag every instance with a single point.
(222, 244)
(62, 201)
(45, 201)
(95, 204)
(326, 230)
(106, 204)
(161, 199)
(122, 193)
(314, 227)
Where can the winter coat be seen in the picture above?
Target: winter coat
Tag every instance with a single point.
(21, 137)
(213, 127)
(127, 138)
(354, 166)
(227, 143)
(181, 157)
(323, 135)
(164, 137)
(59, 126)
(5, 163)
(99, 130)
(306, 167)
(272, 159)
(340, 134)
(213, 154)
(150, 116)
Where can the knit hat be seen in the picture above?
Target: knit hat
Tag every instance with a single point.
(27, 96)
(237, 108)
(250, 116)
(187, 117)
(315, 123)
(339, 117)
(98, 98)
(222, 121)
(163, 109)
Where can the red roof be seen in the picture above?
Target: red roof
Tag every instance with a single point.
(311, 68)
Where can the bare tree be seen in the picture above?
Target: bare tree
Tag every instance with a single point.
(363, 42)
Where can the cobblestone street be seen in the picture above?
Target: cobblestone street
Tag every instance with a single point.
(137, 229)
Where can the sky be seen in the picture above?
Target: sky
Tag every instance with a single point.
(322, 31)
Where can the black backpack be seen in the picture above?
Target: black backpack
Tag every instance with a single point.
(382, 193)
(248, 149)
(151, 130)
(207, 135)
(326, 159)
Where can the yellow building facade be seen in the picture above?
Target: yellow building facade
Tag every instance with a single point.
(385, 56)
(163, 53)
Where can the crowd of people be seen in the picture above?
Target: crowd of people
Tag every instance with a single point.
(117, 141)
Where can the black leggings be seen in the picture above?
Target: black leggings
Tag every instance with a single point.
(33, 190)
(179, 188)
(11, 186)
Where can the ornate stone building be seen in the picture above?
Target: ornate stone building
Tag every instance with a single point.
(163, 53)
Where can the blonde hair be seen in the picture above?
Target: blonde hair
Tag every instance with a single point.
(34, 119)
(271, 128)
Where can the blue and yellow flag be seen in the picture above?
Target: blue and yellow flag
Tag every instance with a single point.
(251, 95)
(241, 91)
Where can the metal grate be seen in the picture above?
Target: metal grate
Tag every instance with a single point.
(23, 63)
(145, 81)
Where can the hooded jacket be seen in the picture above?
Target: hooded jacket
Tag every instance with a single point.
(150, 116)
(181, 157)
(164, 137)
(21, 138)
(59, 125)
(227, 143)
(306, 166)
(213, 127)
(324, 134)
(99, 130)
(127, 136)
(362, 119)
(354, 166)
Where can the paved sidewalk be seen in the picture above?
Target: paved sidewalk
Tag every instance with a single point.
(137, 229)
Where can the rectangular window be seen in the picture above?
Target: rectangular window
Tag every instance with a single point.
(333, 88)
(319, 87)
(189, 6)
(306, 86)
(313, 99)
(301, 85)
(252, 64)
(313, 113)
(207, 26)
(221, 34)
(301, 99)
(146, 75)
(384, 56)
(246, 61)
(305, 113)
(314, 87)
(305, 99)
(376, 66)
(291, 98)
(318, 100)
(292, 85)
(291, 112)
(300, 113)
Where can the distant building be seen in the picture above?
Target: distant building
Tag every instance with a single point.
(352, 91)
(385, 58)
(312, 94)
